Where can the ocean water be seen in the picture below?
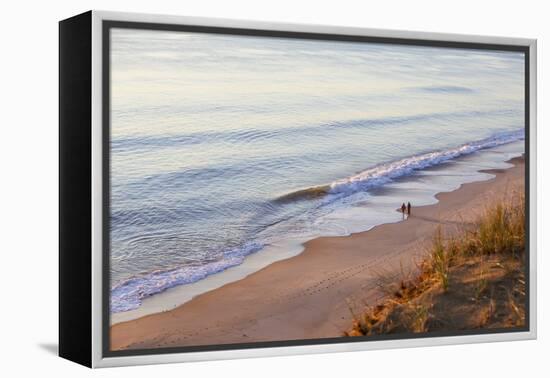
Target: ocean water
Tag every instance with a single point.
(224, 147)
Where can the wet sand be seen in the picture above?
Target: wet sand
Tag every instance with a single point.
(312, 295)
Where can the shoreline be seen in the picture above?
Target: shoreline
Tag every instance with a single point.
(375, 209)
(311, 295)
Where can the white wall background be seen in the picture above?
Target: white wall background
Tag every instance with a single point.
(28, 211)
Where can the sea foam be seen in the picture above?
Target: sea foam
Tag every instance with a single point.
(384, 173)
(129, 294)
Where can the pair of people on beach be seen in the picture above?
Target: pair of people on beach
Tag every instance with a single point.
(406, 208)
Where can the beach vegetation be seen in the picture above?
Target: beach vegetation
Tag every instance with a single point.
(471, 278)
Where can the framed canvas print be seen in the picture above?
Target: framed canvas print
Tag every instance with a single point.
(233, 189)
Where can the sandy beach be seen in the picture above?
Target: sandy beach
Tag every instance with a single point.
(313, 294)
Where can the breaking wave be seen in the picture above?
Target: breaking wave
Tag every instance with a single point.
(128, 294)
(384, 173)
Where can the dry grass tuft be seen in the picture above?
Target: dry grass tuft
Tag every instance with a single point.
(474, 279)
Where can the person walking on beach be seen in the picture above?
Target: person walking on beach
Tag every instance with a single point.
(408, 209)
(403, 208)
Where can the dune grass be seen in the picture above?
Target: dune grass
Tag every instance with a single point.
(474, 279)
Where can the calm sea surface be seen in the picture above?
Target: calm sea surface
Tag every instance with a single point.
(224, 145)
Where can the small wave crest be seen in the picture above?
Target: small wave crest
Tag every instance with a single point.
(129, 294)
(304, 194)
(384, 173)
